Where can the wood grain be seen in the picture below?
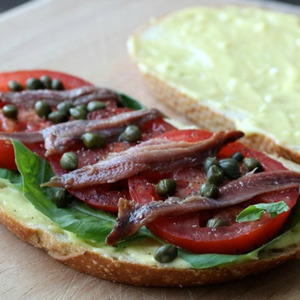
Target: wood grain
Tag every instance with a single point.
(88, 38)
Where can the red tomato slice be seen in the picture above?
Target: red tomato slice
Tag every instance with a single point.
(190, 232)
(27, 119)
(106, 196)
(69, 81)
(155, 128)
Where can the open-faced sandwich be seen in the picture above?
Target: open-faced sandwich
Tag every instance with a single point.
(116, 190)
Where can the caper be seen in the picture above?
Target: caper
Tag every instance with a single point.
(131, 134)
(209, 190)
(58, 117)
(56, 84)
(215, 175)
(46, 81)
(78, 113)
(69, 161)
(237, 156)
(230, 167)
(14, 86)
(10, 111)
(65, 106)
(209, 162)
(61, 198)
(166, 187)
(95, 105)
(166, 253)
(215, 222)
(93, 140)
(34, 84)
(81, 106)
(42, 108)
(251, 164)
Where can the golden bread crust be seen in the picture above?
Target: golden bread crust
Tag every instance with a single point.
(128, 272)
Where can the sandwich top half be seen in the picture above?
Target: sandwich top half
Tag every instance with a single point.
(241, 62)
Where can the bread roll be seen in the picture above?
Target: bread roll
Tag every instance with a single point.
(226, 68)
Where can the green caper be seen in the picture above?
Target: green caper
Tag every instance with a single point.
(209, 190)
(95, 105)
(215, 222)
(230, 167)
(166, 253)
(65, 106)
(46, 81)
(10, 111)
(209, 162)
(42, 108)
(58, 117)
(56, 84)
(69, 161)
(78, 113)
(166, 187)
(131, 134)
(93, 140)
(215, 175)
(61, 198)
(34, 84)
(14, 86)
(251, 164)
(81, 106)
(237, 156)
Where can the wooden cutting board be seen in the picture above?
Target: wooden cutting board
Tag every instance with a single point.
(88, 38)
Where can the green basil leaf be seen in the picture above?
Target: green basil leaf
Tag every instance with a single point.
(80, 219)
(204, 261)
(130, 102)
(254, 212)
(12, 176)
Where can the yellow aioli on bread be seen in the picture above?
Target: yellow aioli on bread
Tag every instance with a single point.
(16, 205)
(242, 62)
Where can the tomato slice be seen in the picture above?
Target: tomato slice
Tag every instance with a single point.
(190, 231)
(27, 119)
(155, 128)
(69, 81)
(106, 196)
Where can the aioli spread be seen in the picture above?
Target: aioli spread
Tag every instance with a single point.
(242, 62)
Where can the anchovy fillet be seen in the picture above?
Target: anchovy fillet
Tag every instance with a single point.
(158, 154)
(81, 95)
(62, 136)
(132, 216)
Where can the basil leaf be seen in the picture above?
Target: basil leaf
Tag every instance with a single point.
(204, 261)
(254, 212)
(130, 102)
(12, 176)
(80, 219)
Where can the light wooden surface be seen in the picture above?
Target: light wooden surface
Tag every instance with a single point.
(88, 38)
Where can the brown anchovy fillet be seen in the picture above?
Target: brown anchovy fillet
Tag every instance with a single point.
(158, 154)
(78, 96)
(132, 216)
(62, 136)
